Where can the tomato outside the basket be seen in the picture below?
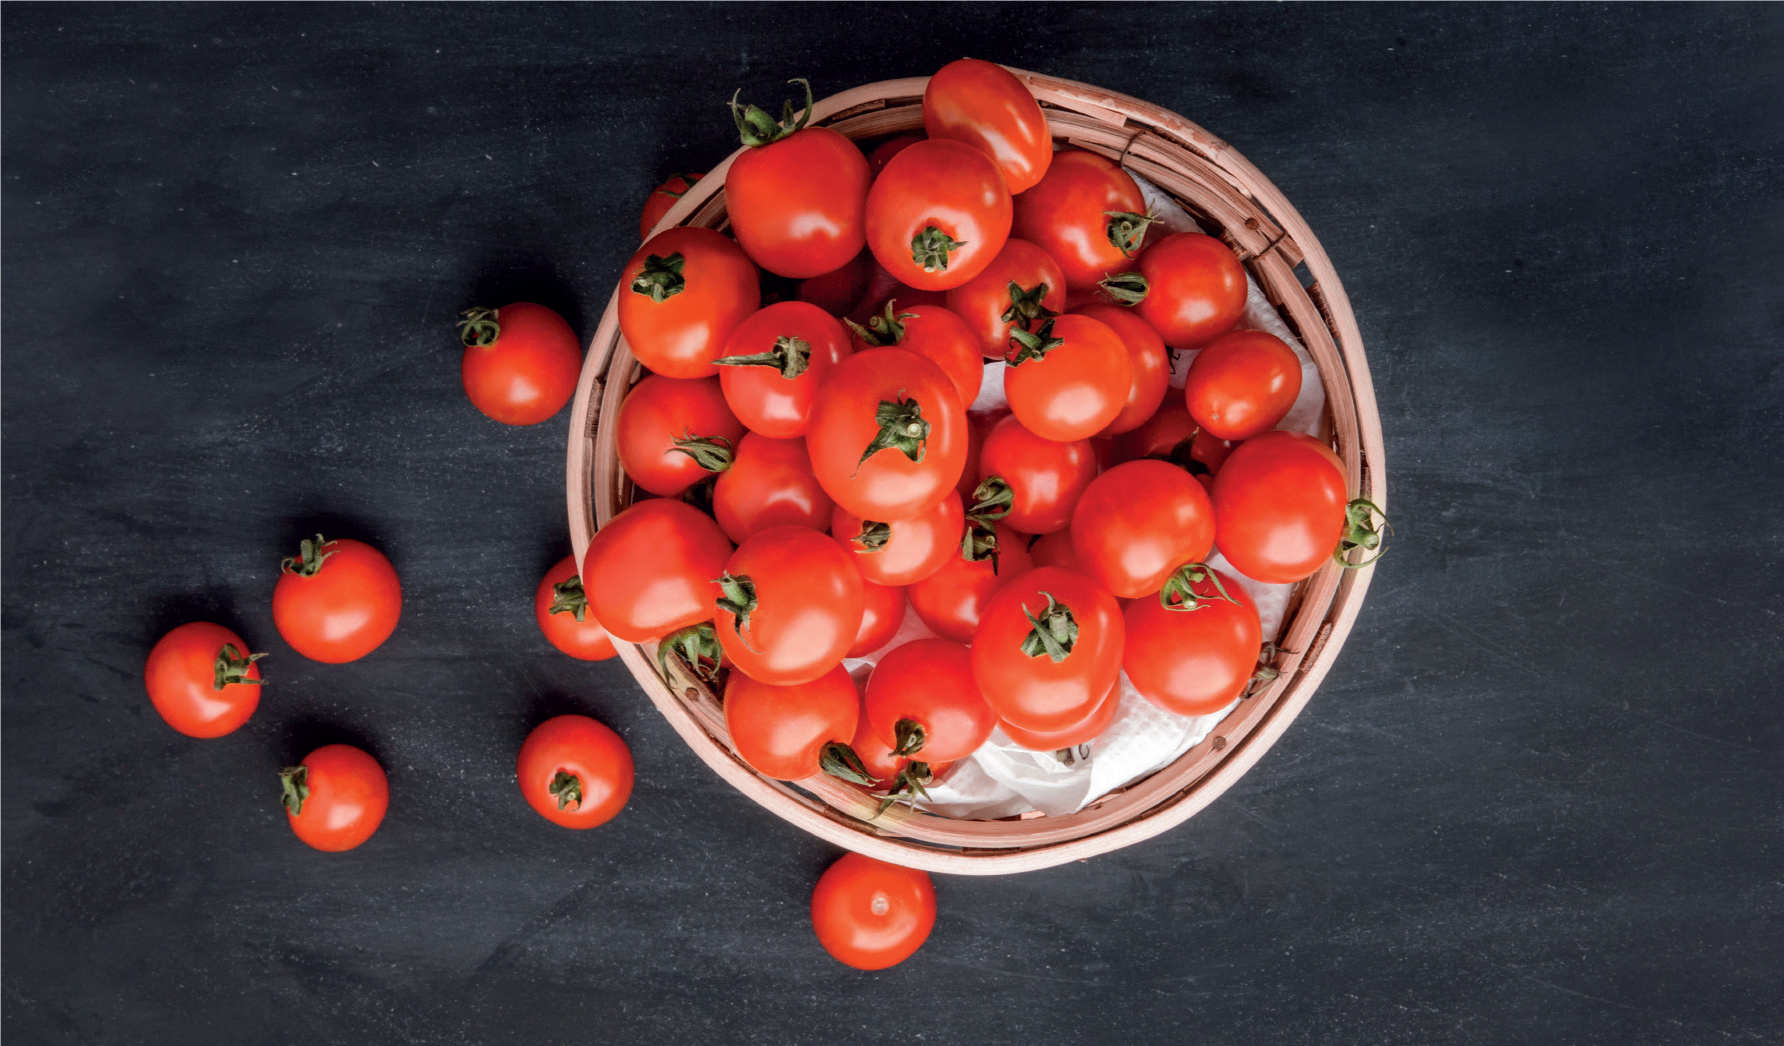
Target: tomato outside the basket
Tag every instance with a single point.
(677, 312)
(575, 771)
(561, 608)
(675, 432)
(521, 362)
(1082, 214)
(894, 468)
(182, 676)
(1193, 662)
(336, 798)
(1195, 289)
(935, 334)
(902, 551)
(937, 214)
(769, 484)
(653, 568)
(796, 194)
(871, 915)
(662, 198)
(1242, 384)
(1148, 364)
(1139, 522)
(788, 337)
(1073, 381)
(337, 601)
(1083, 732)
(922, 702)
(992, 307)
(952, 600)
(781, 731)
(1279, 504)
(1044, 478)
(791, 606)
(882, 613)
(983, 105)
(1032, 690)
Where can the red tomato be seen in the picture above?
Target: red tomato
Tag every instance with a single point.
(769, 484)
(898, 776)
(1088, 214)
(882, 612)
(1047, 649)
(337, 600)
(675, 312)
(978, 425)
(203, 680)
(902, 551)
(561, 608)
(921, 700)
(575, 771)
(1056, 550)
(774, 363)
(796, 194)
(1040, 479)
(838, 291)
(783, 731)
(1148, 364)
(1020, 288)
(653, 568)
(673, 433)
(1079, 733)
(1069, 379)
(935, 334)
(521, 362)
(937, 215)
(1140, 521)
(869, 914)
(1242, 384)
(662, 198)
(1279, 506)
(1193, 662)
(877, 159)
(791, 606)
(1195, 289)
(1171, 435)
(983, 105)
(888, 436)
(951, 600)
(335, 799)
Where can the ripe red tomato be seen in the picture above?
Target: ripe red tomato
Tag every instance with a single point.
(521, 362)
(1040, 479)
(675, 312)
(1193, 662)
(1048, 649)
(796, 194)
(336, 798)
(783, 731)
(774, 364)
(882, 612)
(876, 160)
(922, 701)
(203, 680)
(662, 198)
(1279, 506)
(1069, 379)
(935, 334)
(979, 424)
(1088, 214)
(1195, 289)
(791, 606)
(838, 291)
(869, 914)
(674, 432)
(937, 214)
(769, 484)
(1147, 361)
(1242, 384)
(1056, 550)
(1079, 733)
(983, 105)
(575, 772)
(336, 601)
(653, 568)
(902, 551)
(951, 600)
(1140, 521)
(888, 436)
(1172, 435)
(561, 608)
(897, 776)
(1021, 287)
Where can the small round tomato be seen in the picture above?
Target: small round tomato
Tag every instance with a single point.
(877, 159)
(783, 731)
(652, 569)
(1047, 649)
(1138, 522)
(937, 215)
(838, 291)
(1056, 550)
(882, 613)
(1193, 661)
(1080, 733)
(951, 600)
(1038, 480)
(982, 104)
(521, 362)
(575, 772)
(902, 551)
(1069, 379)
(869, 914)
(1172, 435)
(336, 798)
(1148, 364)
(1021, 287)
(896, 776)
(662, 198)
(774, 364)
(336, 601)
(935, 334)
(1195, 289)
(796, 194)
(791, 606)
(561, 608)
(1242, 384)
(675, 432)
(922, 701)
(769, 484)
(682, 295)
(203, 680)
(1088, 214)
(1279, 506)
(888, 436)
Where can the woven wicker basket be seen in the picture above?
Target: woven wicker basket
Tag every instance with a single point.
(1229, 198)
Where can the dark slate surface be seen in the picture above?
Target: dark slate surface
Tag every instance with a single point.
(1538, 799)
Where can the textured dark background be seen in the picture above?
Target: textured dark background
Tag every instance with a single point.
(1537, 800)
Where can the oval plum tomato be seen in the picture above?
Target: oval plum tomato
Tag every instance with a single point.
(336, 798)
(675, 432)
(769, 484)
(888, 436)
(951, 600)
(521, 362)
(786, 732)
(838, 291)
(1242, 384)
(561, 608)
(662, 198)
(1279, 506)
(796, 193)
(651, 569)
(203, 680)
(922, 701)
(1056, 550)
(774, 363)
(869, 914)
(982, 104)
(575, 772)
(901, 551)
(1193, 662)
(1067, 380)
(882, 613)
(681, 296)
(1037, 481)
(1048, 649)
(1195, 289)
(1021, 287)
(1148, 364)
(883, 152)
(937, 215)
(791, 606)
(1079, 733)
(1088, 214)
(336, 601)
(1138, 522)
(935, 334)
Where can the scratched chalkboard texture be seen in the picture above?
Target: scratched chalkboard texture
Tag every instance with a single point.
(1540, 799)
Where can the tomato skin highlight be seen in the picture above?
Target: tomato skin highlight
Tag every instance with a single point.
(529, 372)
(946, 185)
(983, 105)
(1242, 384)
(882, 613)
(1066, 215)
(780, 731)
(930, 682)
(1083, 732)
(952, 600)
(1046, 478)
(650, 570)
(589, 750)
(656, 413)
(1139, 522)
(983, 300)
(809, 606)
(1149, 366)
(887, 485)
(1193, 662)
(872, 915)
(1035, 693)
(585, 640)
(763, 399)
(797, 205)
(1196, 289)
(180, 675)
(769, 484)
(344, 611)
(662, 198)
(1279, 506)
(681, 335)
(914, 548)
(1078, 388)
(348, 796)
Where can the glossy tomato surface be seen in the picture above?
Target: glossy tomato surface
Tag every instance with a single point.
(661, 199)
(882, 612)
(659, 422)
(787, 338)
(951, 600)
(183, 674)
(781, 731)
(869, 914)
(1019, 678)
(1195, 289)
(902, 551)
(1082, 214)
(769, 484)
(561, 608)
(1138, 522)
(888, 436)
(1045, 478)
(521, 362)
(934, 333)
(802, 604)
(1242, 384)
(925, 691)
(1149, 366)
(653, 568)
(1077, 387)
(337, 601)
(797, 205)
(575, 771)
(1279, 506)
(983, 105)
(937, 215)
(676, 312)
(1193, 662)
(1083, 732)
(991, 306)
(336, 798)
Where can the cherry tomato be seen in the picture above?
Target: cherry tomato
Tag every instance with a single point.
(336, 798)
(337, 600)
(1056, 550)
(888, 436)
(1279, 506)
(796, 194)
(1069, 379)
(561, 608)
(876, 160)
(203, 680)
(791, 607)
(1033, 670)
(935, 334)
(1080, 733)
(1021, 287)
(922, 701)
(1040, 479)
(1242, 384)
(1193, 662)
(1088, 214)
(782, 731)
(838, 291)
(898, 776)
(869, 914)
(662, 198)
(653, 568)
(882, 612)
(937, 214)
(1148, 364)
(675, 312)
(1195, 289)
(1140, 521)
(575, 772)
(769, 484)
(521, 362)
(979, 424)
(1171, 435)
(902, 551)
(983, 105)
(951, 600)
(674, 432)
(774, 363)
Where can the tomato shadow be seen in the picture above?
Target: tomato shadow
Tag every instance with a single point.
(503, 277)
(549, 704)
(215, 603)
(299, 737)
(309, 521)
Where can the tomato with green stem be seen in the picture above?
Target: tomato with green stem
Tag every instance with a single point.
(922, 701)
(790, 606)
(888, 437)
(937, 214)
(1067, 379)
(898, 777)
(1021, 288)
(1188, 286)
(1149, 366)
(798, 731)
(336, 798)
(1242, 384)
(1192, 651)
(1139, 522)
(1087, 214)
(651, 569)
(983, 105)
(336, 601)
(675, 432)
(521, 362)
(575, 771)
(932, 332)
(870, 914)
(1029, 482)
(203, 680)
(561, 608)
(1047, 649)
(901, 551)
(952, 600)
(774, 364)
(769, 484)
(1281, 509)
(662, 198)
(680, 298)
(796, 194)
